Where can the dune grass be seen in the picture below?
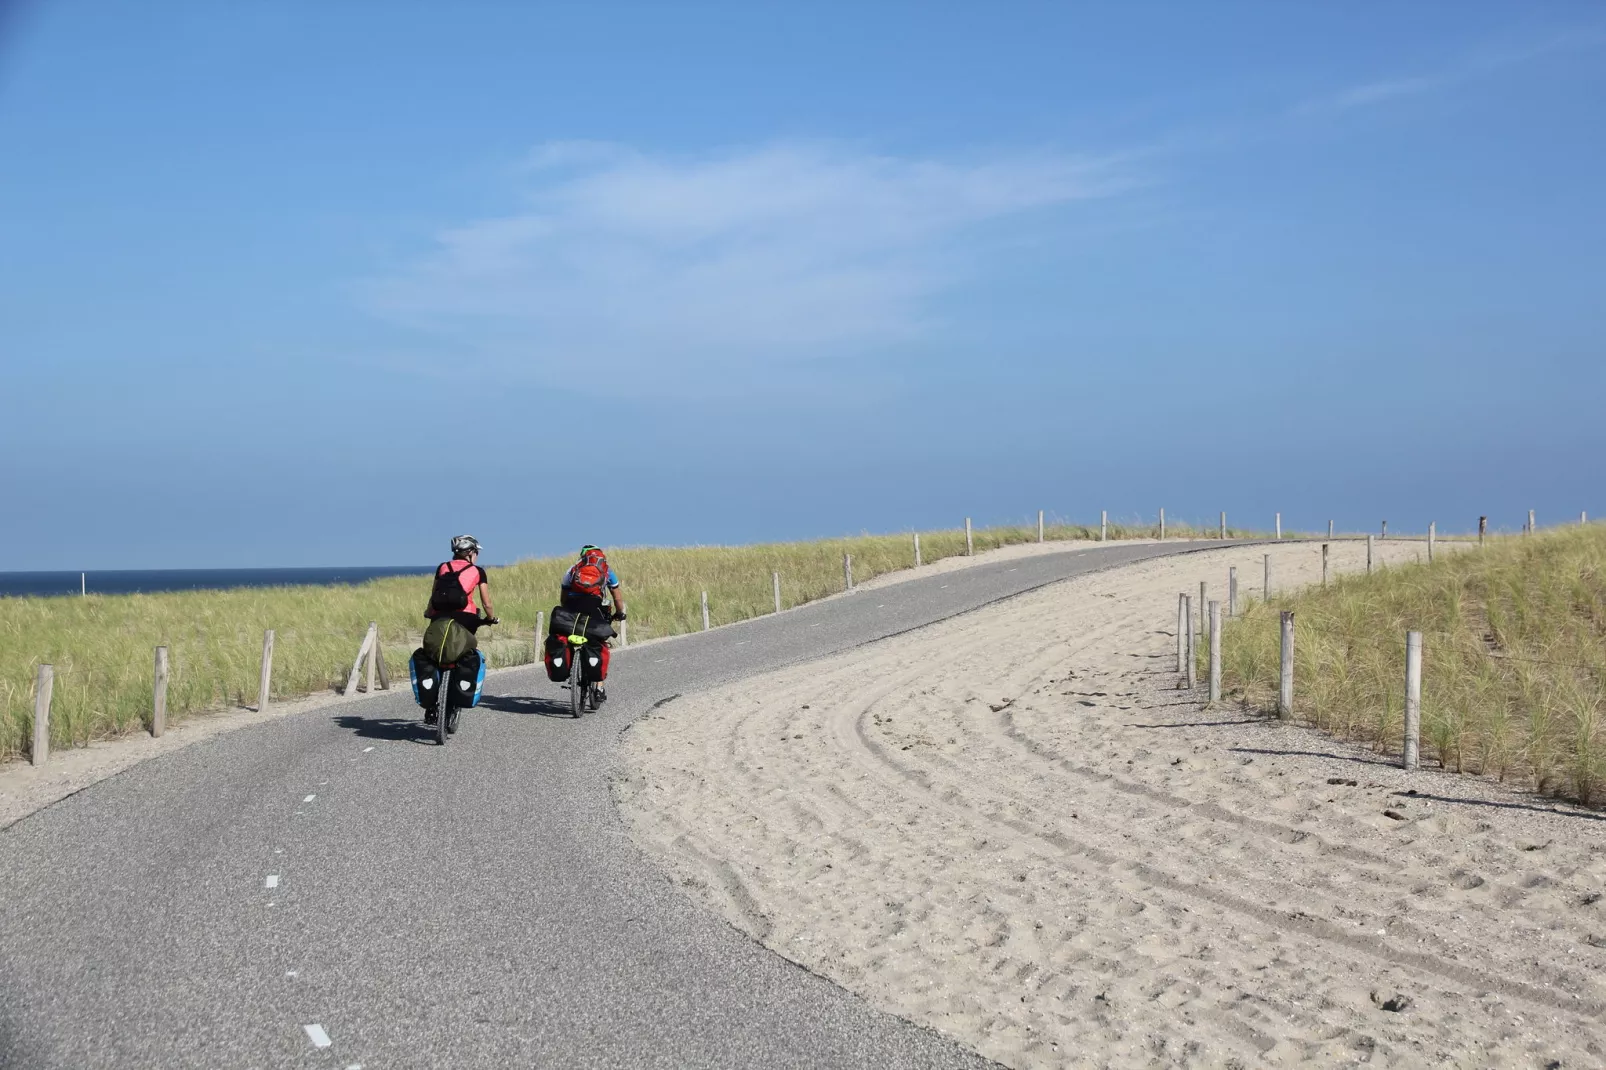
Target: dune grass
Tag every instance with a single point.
(101, 646)
(1513, 664)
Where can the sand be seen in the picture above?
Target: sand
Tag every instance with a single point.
(1028, 839)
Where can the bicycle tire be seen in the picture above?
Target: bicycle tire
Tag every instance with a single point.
(577, 687)
(442, 704)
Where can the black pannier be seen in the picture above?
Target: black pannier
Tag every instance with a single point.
(564, 622)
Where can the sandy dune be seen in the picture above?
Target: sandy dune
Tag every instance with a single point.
(1051, 854)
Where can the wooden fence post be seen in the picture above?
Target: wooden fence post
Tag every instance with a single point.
(970, 546)
(1583, 517)
(1215, 651)
(540, 629)
(356, 666)
(624, 634)
(373, 641)
(1162, 524)
(1324, 564)
(1232, 591)
(847, 572)
(775, 577)
(1329, 529)
(1104, 525)
(1413, 699)
(1483, 528)
(1265, 583)
(1285, 675)
(265, 681)
(1202, 608)
(159, 695)
(1182, 628)
(1385, 533)
(1222, 533)
(41, 715)
(1433, 534)
(1039, 525)
(1530, 522)
(1279, 525)
(917, 551)
(1368, 555)
(705, 611)
(1193, 645)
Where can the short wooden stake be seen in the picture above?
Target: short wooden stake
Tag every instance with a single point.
(1385, 532)
(1182, 628)
(1232, 591)
(1203, 621)
(1104, 525)
(1413, 700)
(356, 666)
(1324, 564)
(1483, 528)
(970, 546)
(540, 629)
(1193, 645)
(1039, 525)
(1433, 535)
(1162, 525)
(1369, 555)
(1583, 517)
(265, 681)
(847, 572)
(1279, 525)
(1530, 521)
(1222, 533)
(705, 611)
(45, 684)
(159, 695)
(1215, 651)
(918, 562)
(1285, 676)
(775, 577)
(373, 641)
(1329, 529)
(1265, 583)
(624, 634)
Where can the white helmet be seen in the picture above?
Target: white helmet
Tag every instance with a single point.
(463, 545)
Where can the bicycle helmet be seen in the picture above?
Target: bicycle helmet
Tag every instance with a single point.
(463, 545)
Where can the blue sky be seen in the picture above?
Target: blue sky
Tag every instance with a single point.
(306, 283)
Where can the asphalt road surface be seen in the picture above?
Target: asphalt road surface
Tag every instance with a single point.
(332, 889)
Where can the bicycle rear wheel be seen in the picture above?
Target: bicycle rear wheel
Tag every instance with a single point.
(443, 703)
(577, 686)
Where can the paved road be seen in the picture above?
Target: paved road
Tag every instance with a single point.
(473, 905)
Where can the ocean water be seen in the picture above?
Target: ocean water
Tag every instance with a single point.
(149, 581)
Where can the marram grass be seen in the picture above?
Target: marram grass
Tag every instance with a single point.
(1513, 662)
(102, 646)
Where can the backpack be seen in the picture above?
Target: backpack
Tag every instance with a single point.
(448, 595)
(590, 575)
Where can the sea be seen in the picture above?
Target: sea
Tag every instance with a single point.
(150, 581)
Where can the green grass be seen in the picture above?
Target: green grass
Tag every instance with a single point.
(1513, 664)
(101, 646)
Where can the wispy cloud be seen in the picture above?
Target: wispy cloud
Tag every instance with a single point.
(1473, 65)
(661, 263)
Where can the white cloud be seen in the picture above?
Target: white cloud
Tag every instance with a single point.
(661, 263)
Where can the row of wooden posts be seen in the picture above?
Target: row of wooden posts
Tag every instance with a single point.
(370, 654)
(1210, 621)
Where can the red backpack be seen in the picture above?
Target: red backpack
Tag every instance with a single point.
(590, 574)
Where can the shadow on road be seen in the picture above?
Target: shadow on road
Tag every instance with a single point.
(393, 729)
(525, 704)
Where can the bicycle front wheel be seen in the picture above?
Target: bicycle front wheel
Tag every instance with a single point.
(577, 686)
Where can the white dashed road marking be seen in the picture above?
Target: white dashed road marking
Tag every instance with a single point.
(365, 750)
(315, 1033)
(309, 798)
(272, 881)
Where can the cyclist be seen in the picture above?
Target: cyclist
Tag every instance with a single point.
(583, 589)
(459, 590)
